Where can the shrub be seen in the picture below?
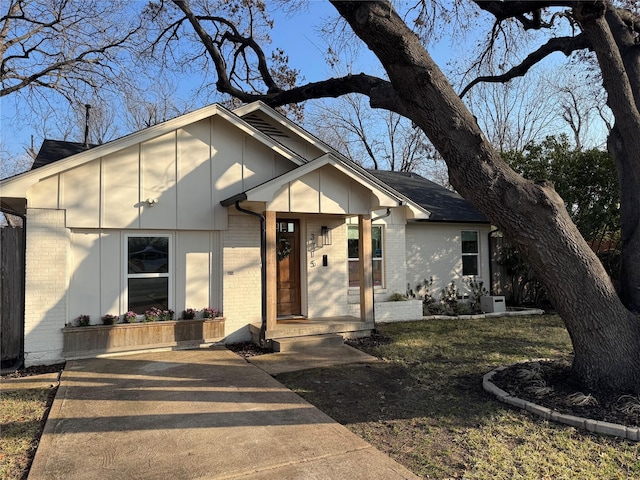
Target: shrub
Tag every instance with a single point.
(109, 319)
(423, 292)
(477, 291)
(397, 297)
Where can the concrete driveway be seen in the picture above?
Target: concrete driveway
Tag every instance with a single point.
(194, 414)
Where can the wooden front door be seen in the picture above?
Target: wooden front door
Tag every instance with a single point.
(288, 256)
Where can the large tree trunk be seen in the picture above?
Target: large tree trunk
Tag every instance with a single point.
(619, 59)
(605, 335)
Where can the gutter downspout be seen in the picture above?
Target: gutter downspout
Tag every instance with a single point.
(385, 215)
(20, 361)
(263, 269)
(491, 259)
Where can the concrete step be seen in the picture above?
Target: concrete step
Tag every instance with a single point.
(301, 343)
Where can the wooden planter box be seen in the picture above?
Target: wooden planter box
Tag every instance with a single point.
(87, 342)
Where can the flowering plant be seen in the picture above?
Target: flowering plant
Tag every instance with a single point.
(83, 320)
(209, 312)
(130, 317)
(155, 314)
(189, 314)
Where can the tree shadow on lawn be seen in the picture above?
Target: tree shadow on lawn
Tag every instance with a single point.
(388, 391)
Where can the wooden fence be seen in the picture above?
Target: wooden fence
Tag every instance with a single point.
(12, 295)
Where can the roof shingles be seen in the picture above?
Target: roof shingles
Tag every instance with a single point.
(444, 205)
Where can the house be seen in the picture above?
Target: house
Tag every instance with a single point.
(243, 211)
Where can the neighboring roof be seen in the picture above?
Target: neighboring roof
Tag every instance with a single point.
(444, 205)
(54, 150)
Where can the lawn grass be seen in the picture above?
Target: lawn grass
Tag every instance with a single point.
(424, 405)
(22, 411)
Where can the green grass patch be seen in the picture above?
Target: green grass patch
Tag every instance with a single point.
(22, 413)
(424, 404)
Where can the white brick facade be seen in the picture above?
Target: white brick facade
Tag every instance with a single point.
(326, 285)
(46, 286)
(241, 276)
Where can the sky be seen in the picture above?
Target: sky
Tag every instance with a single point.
(296, 35)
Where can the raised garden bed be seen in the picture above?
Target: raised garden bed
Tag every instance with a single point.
(93, 340)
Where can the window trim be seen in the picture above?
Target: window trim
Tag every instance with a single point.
(475, 254)
(381, 260)
(169, 274)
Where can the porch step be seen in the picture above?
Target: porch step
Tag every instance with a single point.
(300, 343)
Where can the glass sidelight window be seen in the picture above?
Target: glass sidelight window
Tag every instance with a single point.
(377, 253)
(148, 272)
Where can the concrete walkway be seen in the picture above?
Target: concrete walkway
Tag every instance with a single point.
(194, 414)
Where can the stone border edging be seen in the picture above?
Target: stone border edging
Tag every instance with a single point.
(596, 426)
(517, 313)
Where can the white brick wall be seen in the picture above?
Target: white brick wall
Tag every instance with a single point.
(393, 311)
(435, 251)
(395, 261)
(46, 285)
(326, 286)
(242, 301)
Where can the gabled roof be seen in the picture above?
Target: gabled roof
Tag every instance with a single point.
(444, 205)
(266, 191)
(17, 186)
(273, 123)
(54, 150)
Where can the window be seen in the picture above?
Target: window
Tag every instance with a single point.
(148, 273)
(470, 253)
(354, 262)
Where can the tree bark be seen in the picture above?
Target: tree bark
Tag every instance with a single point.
(619, 61)
(605, 335)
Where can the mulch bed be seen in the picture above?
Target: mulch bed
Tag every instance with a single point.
(35, 370)
(248, 349)
(549, 384)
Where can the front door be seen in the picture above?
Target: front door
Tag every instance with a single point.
(288, 255)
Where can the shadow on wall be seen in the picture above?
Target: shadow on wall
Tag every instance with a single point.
(91, 271)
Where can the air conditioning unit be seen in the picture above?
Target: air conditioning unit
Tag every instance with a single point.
(493, 304)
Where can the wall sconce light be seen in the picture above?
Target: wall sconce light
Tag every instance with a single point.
(325, 234)
(152, 201)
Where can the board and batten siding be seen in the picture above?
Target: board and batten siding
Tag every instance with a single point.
(187, 171)
(98, 283)
(324, 191)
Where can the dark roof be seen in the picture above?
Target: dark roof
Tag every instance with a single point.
(54, 150)
(444, 205)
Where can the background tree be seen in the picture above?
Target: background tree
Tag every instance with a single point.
(68, 47)
(380, 140)
(516, 113)
(604, 327)
(586, 181)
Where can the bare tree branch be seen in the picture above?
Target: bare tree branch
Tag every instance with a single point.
(566, 45)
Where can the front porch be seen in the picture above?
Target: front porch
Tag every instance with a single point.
(289, 334)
